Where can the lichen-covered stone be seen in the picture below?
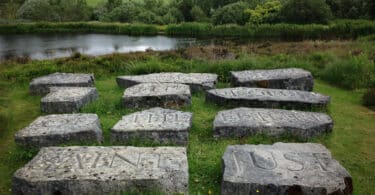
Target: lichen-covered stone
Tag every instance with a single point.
(148, 95)
(196, 81)
(241, 122)
(155, 125)
(283, 168)
(289, 78)
(103, 170)
(267, 98)
(41, 85)
(67, 99)
(56, 129)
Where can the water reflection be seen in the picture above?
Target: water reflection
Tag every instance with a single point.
(47, 46)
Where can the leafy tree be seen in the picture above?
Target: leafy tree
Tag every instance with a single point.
(73, 10)
(305, 11)
(185, 7)
(197, 14)
(37, 10)
(265, 13)
(173, 16)
(112, 4)
(231, 13)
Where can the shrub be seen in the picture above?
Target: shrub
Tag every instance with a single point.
(37, 10)
(233, 13)
(266, 13)
(305, 11)
(127, 12)
(197, 14)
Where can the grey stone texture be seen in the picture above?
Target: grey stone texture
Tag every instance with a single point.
(103, 170)
(67, 99)
(41, 85)
(242, 122)
(156, 125)
(196, 81)
(57, 129)
(283, 168)
(267, 98)
(148, 95)
(289, 78)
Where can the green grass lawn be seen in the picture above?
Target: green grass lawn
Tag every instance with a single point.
(352, 141)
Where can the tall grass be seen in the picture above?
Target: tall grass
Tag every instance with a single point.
(82, 27)
(351, 72)
(336, 29)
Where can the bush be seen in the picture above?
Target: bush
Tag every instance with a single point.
(197, 14)
(37, 10)
(368, 98)
(127, 12)
(305, 11)
(266, 13)
(233, 13)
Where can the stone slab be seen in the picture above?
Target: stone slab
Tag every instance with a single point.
(57, 129)
(41, 85)
(67, 99)
(148, 95)
(196, 81)
(103, 170)
(289, 78)
(242, 122)
(267, 98)
(156, 125)
(283, 168)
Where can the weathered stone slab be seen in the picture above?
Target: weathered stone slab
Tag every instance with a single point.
(242, 122)
(67, 99)
(53, 130)
(267, 98)
(103, 170)
(41, 85)
(283, 168)
(156, 125)
(289, 78)
(147, 95)
(196, 81)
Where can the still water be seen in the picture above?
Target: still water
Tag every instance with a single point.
(47, 46)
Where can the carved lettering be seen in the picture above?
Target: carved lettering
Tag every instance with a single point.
(298, 164)
(263, 159)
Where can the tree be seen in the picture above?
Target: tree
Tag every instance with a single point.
(127, 12)
(305, 11)
(232, 13)
(112, 4)
(197, 14)
(37, 10)
(265, 13)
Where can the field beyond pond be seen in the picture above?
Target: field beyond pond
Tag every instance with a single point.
(342, 70)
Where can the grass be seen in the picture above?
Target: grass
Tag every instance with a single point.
(351, 142)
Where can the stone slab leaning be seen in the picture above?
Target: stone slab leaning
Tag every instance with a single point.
(196, 81)
(267, 98)
(156, 125)
(67, 99)
(148, 95)
(41, 85)
(283, 168)
(103, 170)
(242, 122)
(288, 78)
(56, 129)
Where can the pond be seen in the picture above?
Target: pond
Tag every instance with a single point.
(48, 46)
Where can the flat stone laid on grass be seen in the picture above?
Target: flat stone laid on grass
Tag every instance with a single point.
(267, 98)
(148, 95)
(53, 130)
(283, 168)
(67, 99)
(156, 125)
(196, 81)
(242, 122)
(41, 85)
(289, 78)
(104, 170)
